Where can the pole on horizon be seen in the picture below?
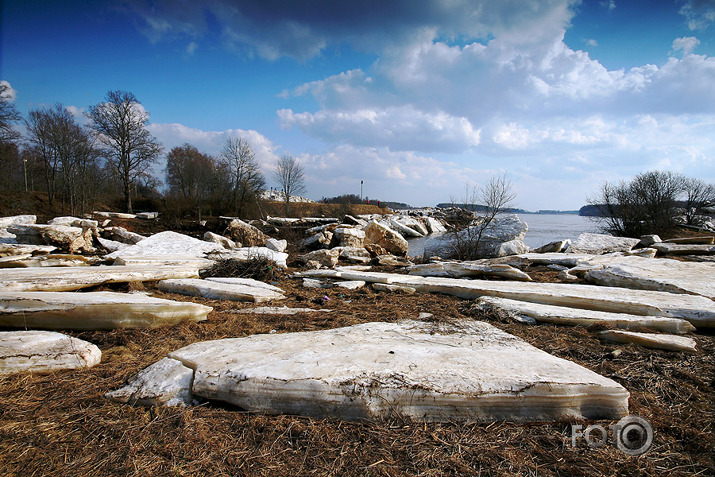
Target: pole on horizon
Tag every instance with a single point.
(361, 191)
(24, 163)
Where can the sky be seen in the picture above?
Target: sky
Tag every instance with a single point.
(417, 99)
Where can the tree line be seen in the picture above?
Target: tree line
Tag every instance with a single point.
(111, 155)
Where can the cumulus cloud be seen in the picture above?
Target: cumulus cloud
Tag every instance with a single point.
(212, 142)
(435, 97)
(400, 128)
(388, 175)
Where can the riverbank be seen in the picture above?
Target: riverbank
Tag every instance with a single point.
(62, 423)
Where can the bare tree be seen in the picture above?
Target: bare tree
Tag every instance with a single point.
(290, 177)
(192, 176)
(698, 194)
(238, 158)
(8, 115)
(652, 202)
(647, 204)
(65, 148)
(11, 167)
(488, 201)
(120, 123)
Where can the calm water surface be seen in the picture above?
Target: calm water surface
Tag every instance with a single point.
(543, 228)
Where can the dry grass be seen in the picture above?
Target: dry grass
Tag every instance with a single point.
(257, 267)
(61, 424)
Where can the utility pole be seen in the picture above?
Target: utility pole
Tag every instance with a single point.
(24, 164)
(361, 191)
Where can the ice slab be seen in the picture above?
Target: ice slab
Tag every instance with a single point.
(683, 249)
(699, 310)
(279, 310)
(75, 278)
(651, 340)
(388, 287)
(6, 222)
(578, 317)
(164, 261)
(426, 371)
(661, 274)
(49, 260)
(220, 291)
(166, 382)
(44, 352)
(167, 243)
(601, 243)
(8, 249)
(468, 269)
(245, 281)
(94, 310)
(350, 285)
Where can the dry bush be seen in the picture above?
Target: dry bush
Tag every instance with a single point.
(257, 267)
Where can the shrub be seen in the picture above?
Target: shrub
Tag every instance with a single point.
(650, 203)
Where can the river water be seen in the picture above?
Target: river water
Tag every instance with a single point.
(543, 228)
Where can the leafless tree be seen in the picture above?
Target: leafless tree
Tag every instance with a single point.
(290, 177)
(193, 177)
(8, 115)
(66, 150)
(698, 194)
(483, 203)
(247, 180)
(647, 204)
(11, 167)
(120, 124)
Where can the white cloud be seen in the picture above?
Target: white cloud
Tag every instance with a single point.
(212, 142)
(191, 48)
(10, 93)
(401, 128)
(686, 44)
(473, 84)
(388, 175)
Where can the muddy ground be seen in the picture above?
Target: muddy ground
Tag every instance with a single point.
(61, 424)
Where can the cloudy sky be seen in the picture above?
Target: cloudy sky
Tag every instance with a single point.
(415, 98)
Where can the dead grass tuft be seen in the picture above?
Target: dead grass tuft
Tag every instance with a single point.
(256, 267)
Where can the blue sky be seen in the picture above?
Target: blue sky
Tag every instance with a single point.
(415, 98)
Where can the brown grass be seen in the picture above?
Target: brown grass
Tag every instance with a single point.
(61, 424)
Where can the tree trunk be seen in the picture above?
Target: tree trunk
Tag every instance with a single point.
(128, 196)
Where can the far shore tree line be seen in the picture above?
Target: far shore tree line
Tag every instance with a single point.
(111, 156)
